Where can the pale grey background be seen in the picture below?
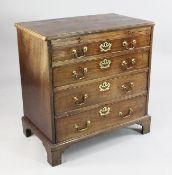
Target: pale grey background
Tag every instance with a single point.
(121, 152)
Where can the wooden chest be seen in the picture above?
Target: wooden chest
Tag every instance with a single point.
(83, 76)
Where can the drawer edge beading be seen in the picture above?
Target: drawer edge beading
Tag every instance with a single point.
(87, 108)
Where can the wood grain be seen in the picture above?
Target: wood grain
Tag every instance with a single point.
(35, 80)
(65, 53)
(64, 99)
(65, 126)
(63, 75)
(74, 26)
(97, 37)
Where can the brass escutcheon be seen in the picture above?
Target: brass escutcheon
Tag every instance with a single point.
(104, 111)
(106, 46)
(104, 86)
(105, 64)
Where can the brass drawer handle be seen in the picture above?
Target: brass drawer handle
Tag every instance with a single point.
(129, 46)
(127, 87)
(129, 113)
(81, 74)
(78, 53)
(78, 129)
(82, 100)
(104, 86)
(104, 111)
(105, 64)
(106, 46)
(128, 64)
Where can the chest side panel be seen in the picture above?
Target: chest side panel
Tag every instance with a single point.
(36, 81)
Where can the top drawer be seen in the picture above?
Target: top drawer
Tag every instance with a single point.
(95, 44)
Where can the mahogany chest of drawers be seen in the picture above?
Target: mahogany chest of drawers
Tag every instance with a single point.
(83, 76)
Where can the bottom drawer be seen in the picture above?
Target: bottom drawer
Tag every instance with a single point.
(99, 118)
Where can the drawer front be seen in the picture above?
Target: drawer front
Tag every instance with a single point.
(99, 91)
(95, 44)
(103, 66)
(99, 118)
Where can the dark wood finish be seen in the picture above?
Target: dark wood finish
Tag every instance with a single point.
(63, 74)
(35, 80)
(103, 36)
(65, 125)
(59, 108)
(74, 26)
(64, 52)
(64, 99)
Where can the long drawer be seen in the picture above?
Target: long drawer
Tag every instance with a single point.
(95, 44)
(101, 67)
(99, 91)
(99, 118)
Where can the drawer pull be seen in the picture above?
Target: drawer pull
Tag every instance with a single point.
(80, 52)
(104, 111)
(82, 100)
(127, 87)
(78, 129)
(105, 64)
(106, 46)
(104, 86)
(129, 113)
(81, 74)
(129, 46)
(128, 64)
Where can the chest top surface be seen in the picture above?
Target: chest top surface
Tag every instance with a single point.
(66, 27)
